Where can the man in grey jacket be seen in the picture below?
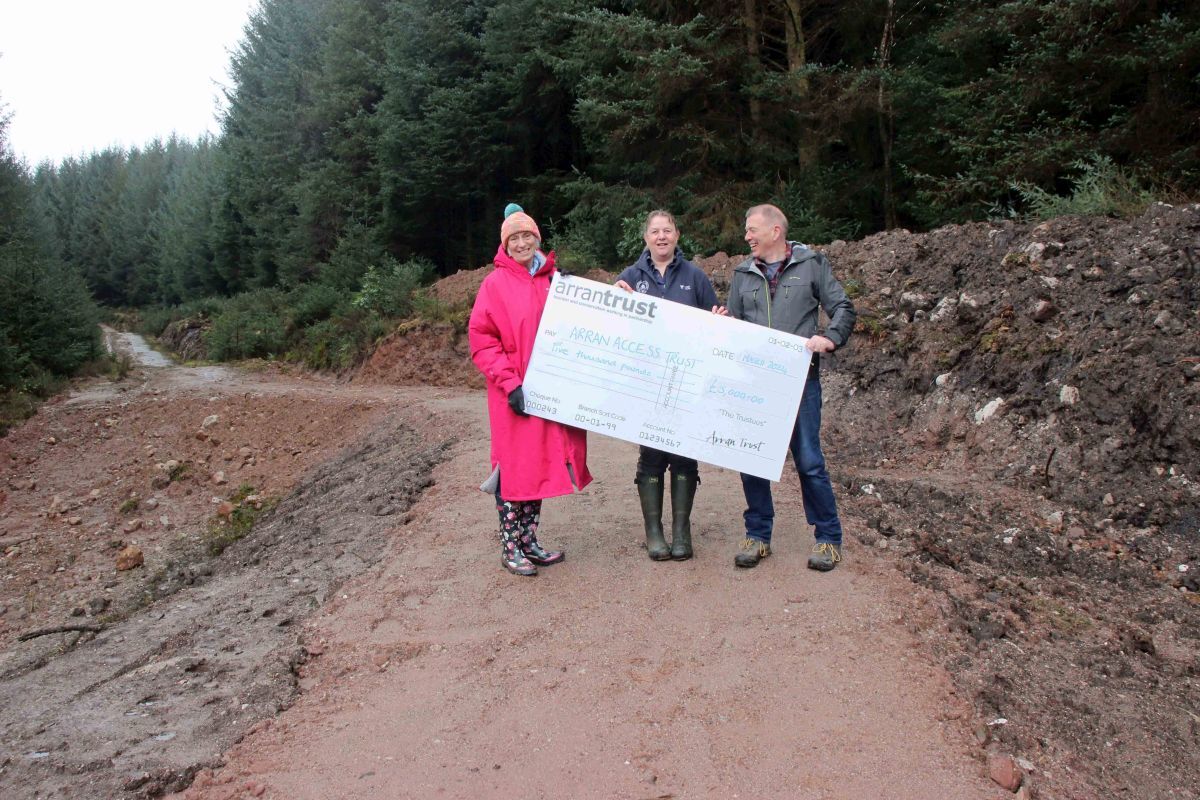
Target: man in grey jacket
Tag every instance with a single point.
(784, 285)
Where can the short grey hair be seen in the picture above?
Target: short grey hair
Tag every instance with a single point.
(771, 214)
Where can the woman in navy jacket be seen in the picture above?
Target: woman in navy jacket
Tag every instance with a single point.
(662, 271)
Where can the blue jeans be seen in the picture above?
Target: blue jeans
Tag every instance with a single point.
(820, 508)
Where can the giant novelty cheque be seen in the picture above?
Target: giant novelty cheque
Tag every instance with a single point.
(666, 375)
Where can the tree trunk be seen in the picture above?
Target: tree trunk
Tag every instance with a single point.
(468, 257)
(796, 55)
(886, 117)
(797, 60)
(751, 20)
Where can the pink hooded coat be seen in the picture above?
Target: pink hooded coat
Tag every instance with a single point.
(532, 453)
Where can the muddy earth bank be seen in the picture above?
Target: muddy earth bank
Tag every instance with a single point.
(182, 511)
(1019, 422)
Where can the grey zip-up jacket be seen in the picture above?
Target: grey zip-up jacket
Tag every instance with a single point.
(806, 284)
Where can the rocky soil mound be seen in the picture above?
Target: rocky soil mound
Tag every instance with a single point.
(1077, 340)
(422, 353)
(1018, 421)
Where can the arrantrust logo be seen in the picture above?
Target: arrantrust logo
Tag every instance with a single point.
(607, 298)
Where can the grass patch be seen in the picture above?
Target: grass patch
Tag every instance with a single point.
(854, 287)
(906, 341)
(120, 367)
(1014, 258)
(994, 341)
(129, 506)
(15, 408)
(870, 326)
(224, 530)
(19, 402)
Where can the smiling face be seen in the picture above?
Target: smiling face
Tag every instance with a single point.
(521, 247)
(763, 237)
(661, 237)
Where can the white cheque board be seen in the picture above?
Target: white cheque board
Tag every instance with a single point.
(666, 375)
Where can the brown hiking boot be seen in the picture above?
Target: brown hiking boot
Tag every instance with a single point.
(825, 556)
(751, 553)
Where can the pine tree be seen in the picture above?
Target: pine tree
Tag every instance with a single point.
(48, 322)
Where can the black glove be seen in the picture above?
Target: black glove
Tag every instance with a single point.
(566, 273)
(516, 401)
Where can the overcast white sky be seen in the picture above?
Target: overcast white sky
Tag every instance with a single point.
(80, 75)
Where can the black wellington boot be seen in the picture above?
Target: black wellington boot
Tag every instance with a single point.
(650, 491)
(683, 492)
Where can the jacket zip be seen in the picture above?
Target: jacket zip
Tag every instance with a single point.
(767, 292)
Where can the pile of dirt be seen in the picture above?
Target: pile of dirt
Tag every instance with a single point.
(1017, 422)
(719, 267)
(422, 353)
(433, 353)
(1084, 330)
(461, 287)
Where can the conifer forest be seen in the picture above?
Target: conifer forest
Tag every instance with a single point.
(368, 146)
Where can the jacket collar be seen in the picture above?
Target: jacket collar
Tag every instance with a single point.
(504, 261)
(647, 263)
(797, 252)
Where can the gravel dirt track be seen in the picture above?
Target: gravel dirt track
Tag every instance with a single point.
(608, 676)
(358, 645)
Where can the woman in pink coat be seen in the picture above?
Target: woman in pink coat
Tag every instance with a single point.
(532, 458)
